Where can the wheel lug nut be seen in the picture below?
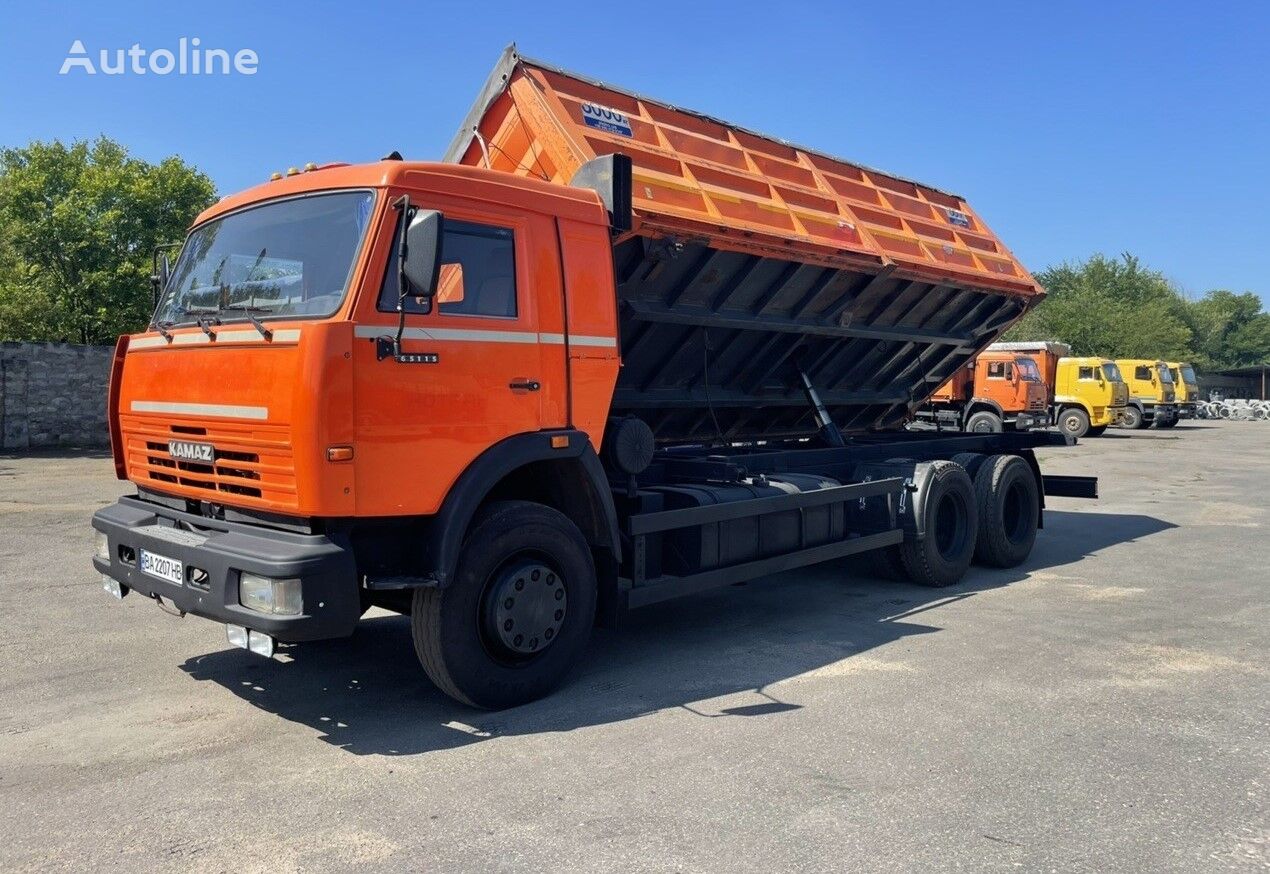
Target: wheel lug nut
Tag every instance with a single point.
(559, 615)
(533, 644)
(551, 578)
(518, 639)
(508, 603)
(548, 634)
(535, 575)
(520, 584)
(507, 626)
(559, 594)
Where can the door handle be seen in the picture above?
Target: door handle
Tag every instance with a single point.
(525, 385)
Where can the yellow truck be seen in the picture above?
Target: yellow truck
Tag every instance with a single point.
(1186, 387)
(1084, 394)
(1152, 398)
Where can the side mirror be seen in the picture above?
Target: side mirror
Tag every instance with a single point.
(420, 251)
(162, 268)
(418, 265)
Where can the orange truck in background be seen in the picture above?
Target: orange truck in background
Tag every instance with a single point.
(609, 353)
(993, 391)
(1085, 394)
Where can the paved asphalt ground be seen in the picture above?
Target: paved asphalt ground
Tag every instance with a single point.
(1105, 708)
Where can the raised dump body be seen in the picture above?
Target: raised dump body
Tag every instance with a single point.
(750, 259)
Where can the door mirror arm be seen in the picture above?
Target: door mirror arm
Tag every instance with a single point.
(418, 247)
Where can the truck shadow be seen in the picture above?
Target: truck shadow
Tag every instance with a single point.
(715, 655)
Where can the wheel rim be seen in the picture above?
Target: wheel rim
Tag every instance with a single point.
(523, 608)
(1071, 424)
(950, 526)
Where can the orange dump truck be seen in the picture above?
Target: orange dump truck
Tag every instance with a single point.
(994, 390)
(611, 353)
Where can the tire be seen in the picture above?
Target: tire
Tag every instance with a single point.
(1132, 419)
(943, 554)
(463, 633)
(1008, 499)
(984, 422)
(1074, 422)
(1097, 430)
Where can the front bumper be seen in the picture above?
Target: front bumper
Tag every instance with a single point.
(1028, 421)
(331, 603)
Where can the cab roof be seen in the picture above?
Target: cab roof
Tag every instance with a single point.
(427, 175)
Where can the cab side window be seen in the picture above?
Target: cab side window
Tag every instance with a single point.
(1141, 373)
(996, 370)
(477, 276)
(1086, 373)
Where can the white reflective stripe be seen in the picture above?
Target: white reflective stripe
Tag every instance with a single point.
(228, 411)
(469, 335)
(462, 335)
(584, 340)
(250, 335)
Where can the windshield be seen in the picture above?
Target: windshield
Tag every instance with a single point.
(1028, 369)
(286, 258)
(1188, 374)
(1165, 376)
(1112, 372)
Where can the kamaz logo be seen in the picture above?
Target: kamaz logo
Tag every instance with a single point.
(183, 451)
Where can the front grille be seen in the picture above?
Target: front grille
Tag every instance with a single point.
(252, 463)
(227, 463)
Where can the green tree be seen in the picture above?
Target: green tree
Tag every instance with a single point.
(78, 225)
(1109, 306)
(1230, 329)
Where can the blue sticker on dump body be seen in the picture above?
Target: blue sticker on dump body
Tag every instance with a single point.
(606, 119)
(957, 217)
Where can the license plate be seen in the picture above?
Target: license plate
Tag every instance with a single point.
(161, 567)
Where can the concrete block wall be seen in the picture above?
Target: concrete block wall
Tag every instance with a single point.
(53, 394)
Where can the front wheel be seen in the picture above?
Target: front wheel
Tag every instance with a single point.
(1132, 419)
(518, 612)
(1074, 422)
(984, 422)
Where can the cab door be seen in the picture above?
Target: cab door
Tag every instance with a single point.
(484, 373)
(998, 383)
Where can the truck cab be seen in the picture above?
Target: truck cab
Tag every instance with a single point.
(1152, 396)
(1089, 395)
(1186, 385)
(995, 390)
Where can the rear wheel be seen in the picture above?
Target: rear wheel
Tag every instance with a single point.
(518, 613)
(984, 422)
(941, 556)
(1132, 418)
(1074, 422)
(1008, 501)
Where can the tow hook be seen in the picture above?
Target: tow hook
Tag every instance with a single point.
(167, 607)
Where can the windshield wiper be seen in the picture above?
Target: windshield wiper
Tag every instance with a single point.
(206, 316)
(250, 310)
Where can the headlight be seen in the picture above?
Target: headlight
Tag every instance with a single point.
(102, 545)
(266, 595)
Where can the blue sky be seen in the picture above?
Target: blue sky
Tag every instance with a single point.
(1071, 127)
